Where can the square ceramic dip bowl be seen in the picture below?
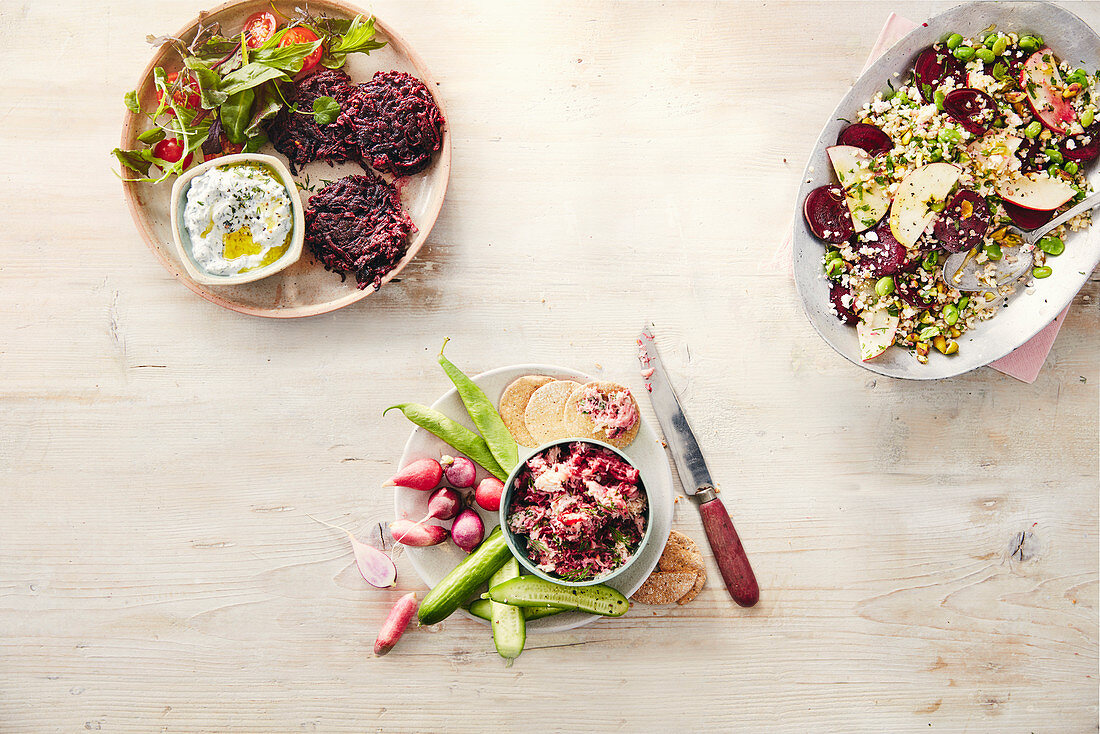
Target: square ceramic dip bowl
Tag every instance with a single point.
(185, 248)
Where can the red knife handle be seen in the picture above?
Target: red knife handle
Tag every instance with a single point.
(729, 553)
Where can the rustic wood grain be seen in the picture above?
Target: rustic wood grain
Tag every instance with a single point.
(927, 553)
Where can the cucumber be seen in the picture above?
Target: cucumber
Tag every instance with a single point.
(463, 580)
(531, 591)
(482, 608)
(509, 630)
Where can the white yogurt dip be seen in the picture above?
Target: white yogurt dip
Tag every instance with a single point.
(238, 217)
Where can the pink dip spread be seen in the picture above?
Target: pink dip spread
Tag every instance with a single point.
(581, 508)
(615, 413)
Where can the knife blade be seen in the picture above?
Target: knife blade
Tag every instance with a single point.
(729, 553)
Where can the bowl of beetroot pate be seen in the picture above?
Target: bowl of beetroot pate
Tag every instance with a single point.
(576, 512)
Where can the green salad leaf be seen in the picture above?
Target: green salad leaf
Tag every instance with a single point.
(358, 38)
(325, 110)
(131, 100)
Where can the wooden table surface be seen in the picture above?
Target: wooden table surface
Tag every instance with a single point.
(927, 552)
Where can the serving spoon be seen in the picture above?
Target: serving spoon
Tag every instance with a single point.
(960, 271)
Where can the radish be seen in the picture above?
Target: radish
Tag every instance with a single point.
(395, 624)
(423, 475)
(488, 493)
(417, 535)
(374, 566)
(467, 530)
(459, 470)
(444, 504)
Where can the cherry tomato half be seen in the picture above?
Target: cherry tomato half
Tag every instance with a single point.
(259, 27)
(186, 97)
(170, 149)
(299, 34)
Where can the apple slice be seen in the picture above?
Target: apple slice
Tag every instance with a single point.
(1037, 79)
(876, 330)
(995, 152)
(1036, 191)
(867, 200)
(918, 191)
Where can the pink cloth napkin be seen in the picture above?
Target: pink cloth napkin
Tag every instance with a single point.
(1025, 362)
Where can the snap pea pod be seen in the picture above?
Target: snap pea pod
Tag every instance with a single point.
(484, 415)
(483, 608)
(455, 434)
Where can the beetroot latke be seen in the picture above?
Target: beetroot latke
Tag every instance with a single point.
(298, 137)
(395, 122)
(356, 225)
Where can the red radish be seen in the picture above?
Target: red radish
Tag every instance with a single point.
(416, 534)
(460, 471)
(423, 475)
(467, 530)
(396, 623)
(444, 504)
(488, 493)
(374, 565)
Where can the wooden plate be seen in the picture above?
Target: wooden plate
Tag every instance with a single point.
(305, 288)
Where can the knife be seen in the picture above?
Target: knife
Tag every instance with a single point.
(694, 475)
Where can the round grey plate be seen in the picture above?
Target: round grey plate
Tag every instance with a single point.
(1026, 314)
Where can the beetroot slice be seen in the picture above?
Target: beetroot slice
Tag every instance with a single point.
(1086, 146)
(957, 232)
(882, 256)
(1027, 218)
(827, 214)
(844, 313)
(908, 289)
(1028, 153)
(870, 138)
(971, 108)
(932, 67)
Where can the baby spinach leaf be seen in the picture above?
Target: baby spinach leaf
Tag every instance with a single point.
(209, 83)
(325, 110)
(137, 161)
(131, 100)
(288, 58)
(236, 113)
(254, 143)
(248, 76)
(268, 102)
(359, 38)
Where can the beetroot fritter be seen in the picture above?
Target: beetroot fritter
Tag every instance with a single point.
(394, 121)
(298, 137)
(356, 225)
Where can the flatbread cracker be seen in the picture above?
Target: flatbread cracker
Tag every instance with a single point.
(543, 415)
(664, 587)
(700, 582)
(682, 555)
(580, 425)
(513, 403)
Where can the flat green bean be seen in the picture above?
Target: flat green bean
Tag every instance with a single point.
(455, 434)
(484, 415)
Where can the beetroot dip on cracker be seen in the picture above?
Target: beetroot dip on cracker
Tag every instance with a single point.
(581, 509)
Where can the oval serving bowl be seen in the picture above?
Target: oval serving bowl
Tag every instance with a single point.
(304, 288)
(182, 238)
(1026, 314)
(646, 453)
(518, 545)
